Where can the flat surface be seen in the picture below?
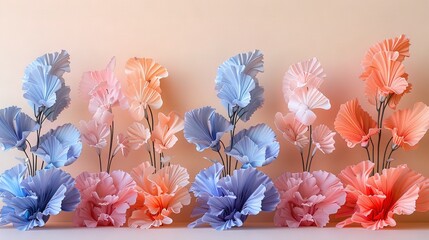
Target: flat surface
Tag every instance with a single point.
(179, 231)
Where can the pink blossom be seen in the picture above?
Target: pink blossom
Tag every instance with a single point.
(323, 139)
(304, 100)
(105, 198)
(292, 129)
(123, 145)
(94, 134)
(308, 199)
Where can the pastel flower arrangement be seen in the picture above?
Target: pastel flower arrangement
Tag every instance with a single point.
(375, 190)
(106, 195)
(306, 198)
(34, 190)
(161, 186)
(229, 191)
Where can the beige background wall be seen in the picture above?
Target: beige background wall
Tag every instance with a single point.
(192, 37)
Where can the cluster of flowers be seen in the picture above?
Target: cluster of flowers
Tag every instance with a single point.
(32, 191)
(153, 191)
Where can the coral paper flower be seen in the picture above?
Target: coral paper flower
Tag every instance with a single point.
(373, 201)
(307, 199)
(323, 139)
(94, 133)
(105, 198)
(408, 126)
(227, 202)
(160, 195)
(354, 124)
(138, 135)
(204, 128)
(292, 129)
(304, 100)
(143, 88)
(164, 132)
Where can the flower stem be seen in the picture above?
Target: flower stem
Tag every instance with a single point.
(384, 155)
(110, 158)
(99, 161)
(309, 150)
(302, 160)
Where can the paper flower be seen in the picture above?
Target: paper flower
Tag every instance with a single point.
(15, 126)
(408, 126)
(204, 128)
(59, 147)
(373, 201)
(104, 91)
(29, 202)
(292, 129)
(94, 133)
(354, 124)
(138, 135)
(227, 202)
(255, 147)
(143, 88)
(303, 74)
(105, 198)
(160, 194)
(304, 100)
(123, 145)
(323, 139)
(308, 199)
(164, 132)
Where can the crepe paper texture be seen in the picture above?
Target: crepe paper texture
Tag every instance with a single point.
(34, 190)
(230, 191)
(156, 189)
(306, 198)
(375, 190)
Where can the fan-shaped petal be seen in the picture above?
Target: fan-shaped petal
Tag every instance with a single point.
(304, 100)
(292, 129)
(323, 139)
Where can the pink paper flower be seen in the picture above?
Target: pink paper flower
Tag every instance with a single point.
(304, 100)
(323, 139)
(373, 201)
(123, 145)
(292, 129)
(163, 133)
(408, 126)
(138, 135)
(160, 195)
(307, 199)
(105, 198)
(94, 134)
(354, 124)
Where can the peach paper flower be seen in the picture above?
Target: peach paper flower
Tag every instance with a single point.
(160, 195)
(304, 100)
(373, 201)
(138, 135)
(163, 133)
(143, 88)
(307, 199)
(323, 139)
(354, 124)
(292, 129)
(408, 126)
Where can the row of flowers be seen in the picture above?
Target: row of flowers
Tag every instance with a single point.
(369, 193)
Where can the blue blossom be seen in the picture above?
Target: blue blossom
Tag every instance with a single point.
(60, 147)
(227, 202)
(44, 86)
(47, 193)
(15, 126)
(255, 147)
(204, 128)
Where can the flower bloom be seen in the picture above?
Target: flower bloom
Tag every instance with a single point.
(105, 198)
(15, 126)
(227, 202)
(308, 199)
(354, 124)
(138, 135)
(323, 139)
(94, 133)
(304, 100)
(204, 128)
(373, 201)
(143, 89)
(408, 126)
(292, 129)
(164, 132)
(29, 202)
(160, 195)
(255, 147)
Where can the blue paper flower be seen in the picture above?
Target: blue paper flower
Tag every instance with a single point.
(236, 94)
(44, 86)
(227, 202)
(45, 194)
(60, 147)
(204, 128)
(15, 126)
(255, 147)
